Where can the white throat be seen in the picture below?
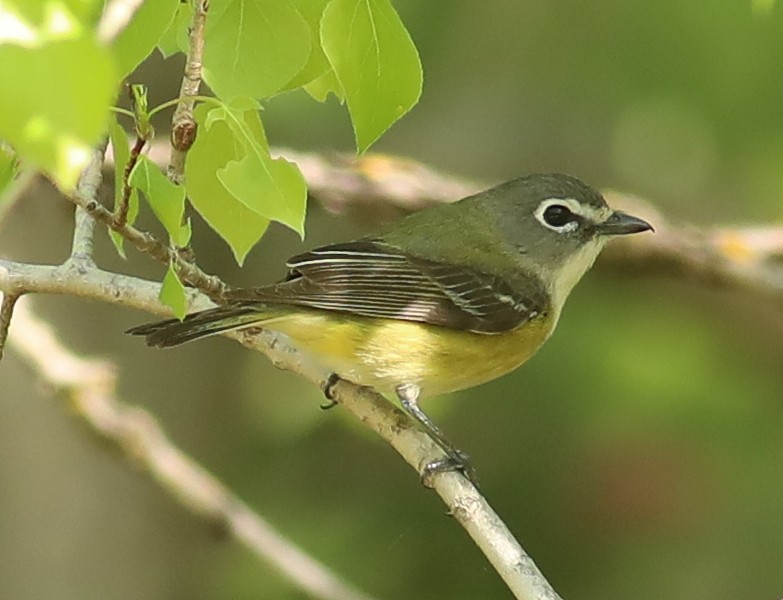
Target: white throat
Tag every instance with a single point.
(570, 273)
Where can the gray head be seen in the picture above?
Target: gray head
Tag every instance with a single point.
(558, 225)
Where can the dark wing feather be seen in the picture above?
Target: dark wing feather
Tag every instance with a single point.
(371, 279)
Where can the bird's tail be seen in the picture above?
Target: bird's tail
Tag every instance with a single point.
(173, 332)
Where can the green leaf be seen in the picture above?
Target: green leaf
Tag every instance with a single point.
(172, 293)
(54, 102)
(166, 199)
(215, 146)
(326, 84)
(40, 12)
(317, 64)
(272, 188)
(121, 153)
(375, 62)
(8, 167)
(175, 38)
(137, 41)
(254, 47)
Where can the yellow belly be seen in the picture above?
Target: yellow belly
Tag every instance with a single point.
(385, 353)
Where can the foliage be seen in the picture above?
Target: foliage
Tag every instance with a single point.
(58, 81)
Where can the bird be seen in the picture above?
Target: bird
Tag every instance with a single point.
(444, 299)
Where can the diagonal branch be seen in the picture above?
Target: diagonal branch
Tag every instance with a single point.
(90, 387)
(463, 500)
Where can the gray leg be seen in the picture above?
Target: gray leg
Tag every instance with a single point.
(457, 460)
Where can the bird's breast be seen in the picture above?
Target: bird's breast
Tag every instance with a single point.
(384, 353)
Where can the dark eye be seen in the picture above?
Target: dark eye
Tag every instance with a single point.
(558, 215)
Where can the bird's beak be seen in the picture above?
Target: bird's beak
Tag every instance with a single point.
(621, 223)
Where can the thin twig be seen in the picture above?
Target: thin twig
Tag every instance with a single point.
(84, 224)
(117, 16)
(6, 312)
(145, 242)
(183, 124)
(121, 211)
(471, 510)
(90, 386)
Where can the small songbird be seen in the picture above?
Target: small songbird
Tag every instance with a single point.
(444, 299)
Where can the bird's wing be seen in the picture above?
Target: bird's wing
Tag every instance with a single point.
(371, 279)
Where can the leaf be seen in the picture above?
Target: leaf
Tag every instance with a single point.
(54, 100)
(175, 38)
(215, 146)
(119, 148)
(272, 188)
(375, 62)
(326, 84)
(8, 167)
(254, 47)
(137, 41)
(166, 199)
(317, 64)
(172, 293)
(41, 12)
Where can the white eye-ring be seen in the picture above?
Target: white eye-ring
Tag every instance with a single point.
(560, 214)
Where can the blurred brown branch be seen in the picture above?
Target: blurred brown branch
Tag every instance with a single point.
(382, 188)
(90, 387)
(377, 188)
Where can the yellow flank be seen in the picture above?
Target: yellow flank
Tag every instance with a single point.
(384, 353)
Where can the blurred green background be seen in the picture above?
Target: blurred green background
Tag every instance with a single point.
(638, 455)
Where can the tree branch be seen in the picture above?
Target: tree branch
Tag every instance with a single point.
(90, 386)
(6, 312)
(746, 259)
(183, 124)
(463, 500)
(147, 243)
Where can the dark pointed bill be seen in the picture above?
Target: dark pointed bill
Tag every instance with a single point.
(621, 223)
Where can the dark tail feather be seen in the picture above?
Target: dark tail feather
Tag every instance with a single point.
(173, 332)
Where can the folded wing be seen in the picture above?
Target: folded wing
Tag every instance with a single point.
(371, 279)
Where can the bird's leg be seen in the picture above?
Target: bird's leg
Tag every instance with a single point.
(328, 390)
(456, 460)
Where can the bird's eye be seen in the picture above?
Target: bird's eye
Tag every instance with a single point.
(558, 215)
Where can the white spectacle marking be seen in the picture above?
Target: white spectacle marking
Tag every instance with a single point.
(591, 213)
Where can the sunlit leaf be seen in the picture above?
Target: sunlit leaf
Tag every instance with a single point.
(54, 103)
(175, 38)
(317, 64)
(375, 62)
(215, 146)
(8, 167)
(172, 293)
(254, 47)
(272, 188)
(139, 38)
(326, 84)
(166, 199)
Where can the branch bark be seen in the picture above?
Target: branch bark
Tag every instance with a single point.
(183, 124)
(745, 259)
(90, 387)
